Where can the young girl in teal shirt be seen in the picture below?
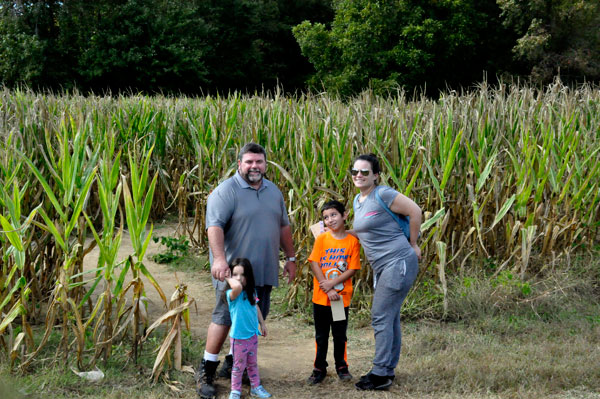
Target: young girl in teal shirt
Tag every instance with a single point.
(245, 319)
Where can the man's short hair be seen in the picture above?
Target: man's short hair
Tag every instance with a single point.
(253, 148)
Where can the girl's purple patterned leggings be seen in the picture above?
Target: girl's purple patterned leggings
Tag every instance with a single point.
(244, 357)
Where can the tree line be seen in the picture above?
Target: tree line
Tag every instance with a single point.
(344, 46)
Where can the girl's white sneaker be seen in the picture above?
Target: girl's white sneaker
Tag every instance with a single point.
(260, 392)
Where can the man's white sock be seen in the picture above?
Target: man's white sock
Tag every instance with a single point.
(211, 357)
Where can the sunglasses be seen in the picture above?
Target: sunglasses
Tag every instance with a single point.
(364, 172)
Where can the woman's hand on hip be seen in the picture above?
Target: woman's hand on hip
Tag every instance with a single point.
(417, 251)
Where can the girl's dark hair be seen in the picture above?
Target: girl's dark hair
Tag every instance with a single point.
(250, 287)
(372, 159)
(337, 205)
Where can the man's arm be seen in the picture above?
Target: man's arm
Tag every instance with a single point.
(216, 242)
(287, 243)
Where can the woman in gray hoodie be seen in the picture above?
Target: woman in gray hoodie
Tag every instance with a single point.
(393, 257)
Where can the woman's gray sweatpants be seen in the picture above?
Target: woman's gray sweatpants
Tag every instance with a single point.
(391, 289)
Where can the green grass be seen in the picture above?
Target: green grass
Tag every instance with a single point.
(177, 253)
(496, 356)
(123, 378)
(190, 263)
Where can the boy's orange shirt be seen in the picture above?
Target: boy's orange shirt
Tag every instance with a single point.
(327, 252)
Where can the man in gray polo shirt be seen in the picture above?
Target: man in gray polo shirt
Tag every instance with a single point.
(245, 217)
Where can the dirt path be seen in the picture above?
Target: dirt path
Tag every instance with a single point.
(285, 356)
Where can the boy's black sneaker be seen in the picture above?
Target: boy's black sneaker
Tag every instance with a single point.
(373, 382)
(344, 374)
(317, 377)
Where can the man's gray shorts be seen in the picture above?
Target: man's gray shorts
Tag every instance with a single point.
(220, 313)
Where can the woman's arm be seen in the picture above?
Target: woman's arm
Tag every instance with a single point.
(405, 206)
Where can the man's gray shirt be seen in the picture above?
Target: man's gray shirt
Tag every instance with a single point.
(251, 220)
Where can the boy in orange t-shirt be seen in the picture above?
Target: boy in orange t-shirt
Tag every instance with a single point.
(334, 260)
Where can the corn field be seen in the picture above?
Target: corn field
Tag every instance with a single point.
(505, 173)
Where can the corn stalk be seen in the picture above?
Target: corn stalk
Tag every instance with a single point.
(73, 172)
(179, 305)
(138, 203)
(109, 242)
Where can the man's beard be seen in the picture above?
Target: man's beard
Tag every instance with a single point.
(255, 178)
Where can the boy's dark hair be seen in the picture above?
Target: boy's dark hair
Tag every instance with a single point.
(334, 205)
(372, 159)
(253, 148)
(250, 287)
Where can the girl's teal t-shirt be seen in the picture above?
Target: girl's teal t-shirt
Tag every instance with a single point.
(244, 318)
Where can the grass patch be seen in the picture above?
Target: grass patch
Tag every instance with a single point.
(298, 307)
(462, 358)
(179, 255)
(123, 378)
(190, 263)
(537, 338)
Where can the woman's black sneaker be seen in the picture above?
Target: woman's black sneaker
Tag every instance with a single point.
(373, 382)
(366, 376)
(317, 376)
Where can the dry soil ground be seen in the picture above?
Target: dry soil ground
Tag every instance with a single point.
(285, 355)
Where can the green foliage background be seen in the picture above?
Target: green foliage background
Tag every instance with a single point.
(384, 44)
(157, 46)
(342, 46)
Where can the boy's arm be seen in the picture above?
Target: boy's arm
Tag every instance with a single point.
(261, 321)
(236, 287)
(316, 269)
(326, 285)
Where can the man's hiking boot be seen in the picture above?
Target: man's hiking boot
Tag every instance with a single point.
(373, 382)
(205, 376)
(225, 371)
